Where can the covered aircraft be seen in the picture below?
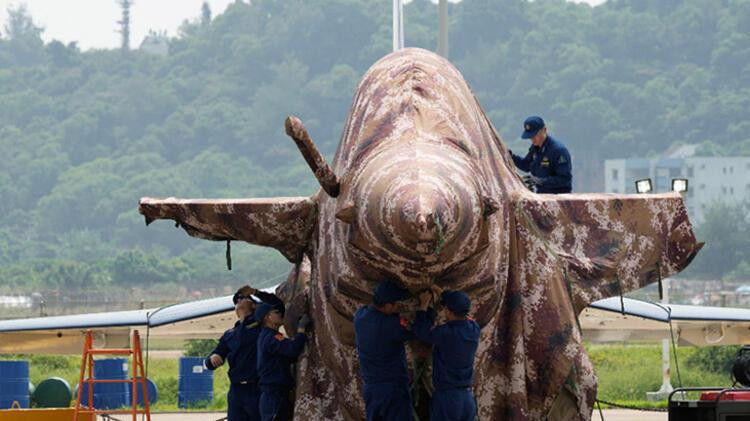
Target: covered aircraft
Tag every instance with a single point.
(422, 190)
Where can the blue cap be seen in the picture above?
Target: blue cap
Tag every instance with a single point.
(262, 310)
(388, 292)
(456, 301)
(531, 126)
(243, 292)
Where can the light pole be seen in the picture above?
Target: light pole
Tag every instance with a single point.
(443, 31)
(398, 25)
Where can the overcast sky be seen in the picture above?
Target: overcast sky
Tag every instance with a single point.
(93, 23)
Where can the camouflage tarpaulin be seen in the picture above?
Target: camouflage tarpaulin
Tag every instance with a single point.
(426, 193)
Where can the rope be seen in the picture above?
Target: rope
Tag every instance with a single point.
(229, 254)
(674, 349)
(601, 414)
(634, 407)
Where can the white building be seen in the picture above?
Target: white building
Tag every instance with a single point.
(710, 179)
(156, 43)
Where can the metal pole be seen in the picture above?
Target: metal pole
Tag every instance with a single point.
(443, 32)
(398, 25)
(666, 385)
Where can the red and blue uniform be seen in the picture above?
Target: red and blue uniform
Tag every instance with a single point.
(380, 342)
(275, 357)
(454, 345)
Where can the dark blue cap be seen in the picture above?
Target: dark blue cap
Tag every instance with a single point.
(388, 292)
(532, 125)
(244, 291)
(456, 301)
(262, 310)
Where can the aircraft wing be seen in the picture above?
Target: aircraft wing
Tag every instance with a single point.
(602, 321)
(610, 320)
(201, 319)
(65, 334)
(284, 223)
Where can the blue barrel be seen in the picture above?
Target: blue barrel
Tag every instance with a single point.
(14, 383)
(196, 383)
(110, 395)
(151, 390)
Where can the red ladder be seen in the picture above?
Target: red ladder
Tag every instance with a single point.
(88, 361)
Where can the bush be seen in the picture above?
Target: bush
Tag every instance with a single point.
(199, 347)
(714, 359)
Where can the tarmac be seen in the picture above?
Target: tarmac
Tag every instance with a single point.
(609, 415)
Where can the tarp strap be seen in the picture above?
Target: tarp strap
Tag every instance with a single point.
(661, 287)
(229, 254)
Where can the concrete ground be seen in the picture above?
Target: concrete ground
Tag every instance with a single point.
(628, 415)
(609, 415)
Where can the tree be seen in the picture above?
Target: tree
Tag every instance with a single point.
(125, 24)
(726, 232)
(25, 45)
(205, 14)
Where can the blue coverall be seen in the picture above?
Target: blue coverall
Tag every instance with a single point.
(551, 163)
(382, 362)
(275, 357)
(454, 346)
(238, 346)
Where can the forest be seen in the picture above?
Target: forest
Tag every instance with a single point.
(87, 133)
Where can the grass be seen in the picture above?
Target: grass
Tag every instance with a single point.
(625, 371)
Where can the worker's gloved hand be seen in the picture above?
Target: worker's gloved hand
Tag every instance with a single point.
(537, 181)
(527, 181)
(303, 321)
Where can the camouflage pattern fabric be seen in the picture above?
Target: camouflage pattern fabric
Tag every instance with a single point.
(426, 193)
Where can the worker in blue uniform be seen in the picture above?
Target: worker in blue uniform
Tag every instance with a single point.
(380, 336)
(275, 356)
(548, 160)
(454, 345)
(238, 347)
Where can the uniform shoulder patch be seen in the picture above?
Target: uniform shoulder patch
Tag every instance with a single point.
(562, 159)
(279, 337)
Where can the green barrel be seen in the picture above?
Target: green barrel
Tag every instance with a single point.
(53, 392)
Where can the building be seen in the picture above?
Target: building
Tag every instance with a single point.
(156, 43)
(711, 180)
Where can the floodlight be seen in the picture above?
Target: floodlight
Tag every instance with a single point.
(680, 185)
(643, 185)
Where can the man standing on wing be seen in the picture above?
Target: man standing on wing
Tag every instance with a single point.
(548, 160)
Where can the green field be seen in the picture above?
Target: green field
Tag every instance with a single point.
(625, 372)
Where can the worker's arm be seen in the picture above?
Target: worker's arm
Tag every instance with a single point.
(562, 171)
(524, 164)
(288, 347)
(217, 357)
(423, 325)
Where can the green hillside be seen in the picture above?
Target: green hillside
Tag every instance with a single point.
(86, 134)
